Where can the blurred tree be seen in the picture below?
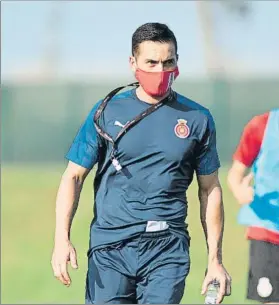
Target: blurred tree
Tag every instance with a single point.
(216, 68)
(212, 51)
(52, 50)
(238, 7)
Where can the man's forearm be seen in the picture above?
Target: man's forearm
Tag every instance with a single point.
(234, 181)
(66, 205)
(212, 218)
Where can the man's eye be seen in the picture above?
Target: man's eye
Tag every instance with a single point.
(170, 62)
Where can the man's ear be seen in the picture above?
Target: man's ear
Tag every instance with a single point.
(133, 64)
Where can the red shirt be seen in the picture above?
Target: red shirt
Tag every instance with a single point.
(246, 153)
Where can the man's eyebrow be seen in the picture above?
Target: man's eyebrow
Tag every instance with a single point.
(149, 59)
(169, 59)
(153, 60)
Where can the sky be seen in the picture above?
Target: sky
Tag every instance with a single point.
(93, 38)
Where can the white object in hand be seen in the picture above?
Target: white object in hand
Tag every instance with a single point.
(212, 293)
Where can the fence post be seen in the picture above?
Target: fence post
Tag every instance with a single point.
(221, 113)
(7, 123)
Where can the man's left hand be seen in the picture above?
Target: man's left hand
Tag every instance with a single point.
(216, 271)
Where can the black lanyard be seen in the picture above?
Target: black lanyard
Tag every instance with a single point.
(128, 125)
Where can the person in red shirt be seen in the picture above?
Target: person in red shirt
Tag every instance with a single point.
(258, 149)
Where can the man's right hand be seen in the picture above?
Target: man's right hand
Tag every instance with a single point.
(245, 192)
(240, 184)
(63, 253)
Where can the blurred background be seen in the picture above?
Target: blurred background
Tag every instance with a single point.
(58, 59)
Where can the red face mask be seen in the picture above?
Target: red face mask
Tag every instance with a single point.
(156, 84)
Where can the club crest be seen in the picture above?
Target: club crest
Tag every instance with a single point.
(181, 129)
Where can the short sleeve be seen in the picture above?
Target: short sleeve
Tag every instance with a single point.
(85, 148)
(207, 159)
(251, 140)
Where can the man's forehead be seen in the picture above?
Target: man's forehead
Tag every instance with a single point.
(157, 49)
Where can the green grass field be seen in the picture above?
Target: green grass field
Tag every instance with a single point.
(28, 202)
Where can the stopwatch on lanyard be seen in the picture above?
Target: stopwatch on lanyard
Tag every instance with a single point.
(128, 125)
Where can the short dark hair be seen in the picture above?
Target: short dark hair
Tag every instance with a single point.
(152, 31)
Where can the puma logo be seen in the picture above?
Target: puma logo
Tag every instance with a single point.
(117, 123)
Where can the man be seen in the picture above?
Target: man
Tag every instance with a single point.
(139, 247)
(259, 149)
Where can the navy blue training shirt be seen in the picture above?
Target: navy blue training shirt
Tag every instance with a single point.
(159, 156)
